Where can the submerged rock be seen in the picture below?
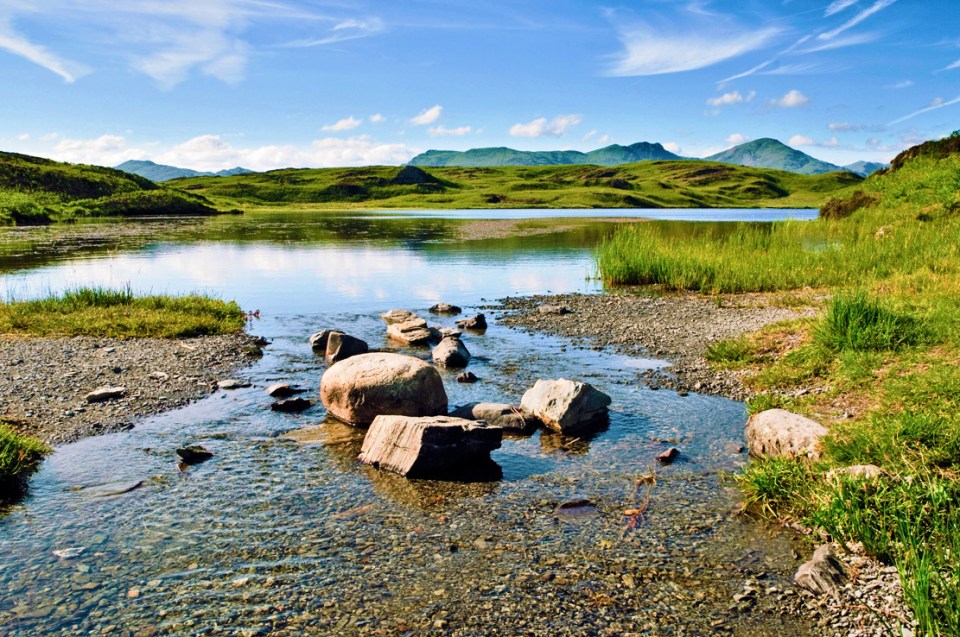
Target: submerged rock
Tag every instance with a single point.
(445, 308)
(507, 417)
(291, 405)
(232, 383)
(194, 454)
(780, 433)
(477, 322)
(428, 446)
(451, 352)
(342, 346)
(102, 394)
(363, 387)
(566, 406)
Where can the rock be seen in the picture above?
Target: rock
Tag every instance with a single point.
(823, 574)
(342, 346)
(547, 308)
(780, 433)
(398, 316)
(507, 417)
(575, 509)
(283, 390)
(445, 308)
(69, 553)
(411, 332)
(194, 454)
(856, 472)
(291, 405)
(439, 333)
(361, 388)
(102, 394)
(467, 377)
(668, 456)
(451, 352)
(478, 322)
(232, 383)
(318, 341)
(566, 406)
(427, 446)
(159, 376)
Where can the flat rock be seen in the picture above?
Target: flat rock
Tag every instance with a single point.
(476, 322)
(451, 352)
(283, 390)
(428, 446)
(398, 316)
(824, 574)
(194, 454)
(102, 394)
(410, 332)
(549, 308)
(565, 406)
(232, 383)
(363, 387)
(342, 346)
(291, 405)
(780, 433)
(445, 308)
(507, 417)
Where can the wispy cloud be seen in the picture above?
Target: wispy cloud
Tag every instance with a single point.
(347, 123)
(352, 29)
(442, 131)
(876, 7)
(427, 116)
(902, 85)
(837, 6)
(937, 103)
(733, 97)
(792, 99)
(19, 45)
(542, 127)
(951, 67)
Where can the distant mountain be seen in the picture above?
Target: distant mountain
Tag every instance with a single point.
(161, 172)
(770, 153)
(865, 168)
(487, 157)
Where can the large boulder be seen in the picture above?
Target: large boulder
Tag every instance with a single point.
(342, 346)
(566, 406)
(428, 446)
(451, 352)
(411, 332)
(509, 418)
(780, 433)
(397, 316)
(363, 387)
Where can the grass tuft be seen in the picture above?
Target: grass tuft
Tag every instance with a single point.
(19, 457)
(858, 323)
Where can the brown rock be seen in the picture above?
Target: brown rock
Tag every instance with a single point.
(342, 346)
(565, 406)
(780, 433)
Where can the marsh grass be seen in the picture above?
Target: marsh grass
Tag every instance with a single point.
(19, 457)
(120, 314)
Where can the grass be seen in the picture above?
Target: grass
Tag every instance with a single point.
(880, 365)
(19, 457)
(120, 314)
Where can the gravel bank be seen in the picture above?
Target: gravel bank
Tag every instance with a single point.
(44, 381)
(676, 328)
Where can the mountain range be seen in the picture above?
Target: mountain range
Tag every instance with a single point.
(162, 172)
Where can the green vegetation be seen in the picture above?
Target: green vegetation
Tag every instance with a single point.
(612, 155)
(39, 191)
(880, 366)
(19, 457)
(120, 314)
(771, 153)
(648, 184)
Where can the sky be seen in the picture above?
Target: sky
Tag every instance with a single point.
(264, 84)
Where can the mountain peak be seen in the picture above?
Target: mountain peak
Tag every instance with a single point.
(767, 152)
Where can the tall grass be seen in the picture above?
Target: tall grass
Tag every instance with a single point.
(856, 322)
(120, 314)
(19, 456)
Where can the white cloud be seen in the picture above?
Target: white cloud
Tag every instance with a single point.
(377, 118)
(23, 136)
(650, 51)
(830, 143)
(18, 45)
(845, 127)
(673, 147)
(350, 29)
(935, 102)
(587, 137)
(348, 123)
(933, 106)
(838, 5)
(792, 99)
(604, 139)
(876, 7)
(442, 131)
(105, 150)
(733, 97)
(955, 65)
(427, 116)
(736, 139)
(800, 140)
(902, 85)
(542, 127)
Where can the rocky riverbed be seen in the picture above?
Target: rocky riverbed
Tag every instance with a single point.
(44, 382)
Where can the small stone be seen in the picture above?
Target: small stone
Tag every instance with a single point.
(69, 553)
(445, 308)
(194, 454)
(232, 383)
(133, 593)
(477, 323)
(103, 394)
(291, 405)
(548, 308)
(467, 377)
(668, 456)
(283, 390)
(823, 574)
(158, 376)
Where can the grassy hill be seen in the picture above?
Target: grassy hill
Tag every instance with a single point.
(649, 184)
(770, 153)
(612, 155)
(162, 172)
(35, 191)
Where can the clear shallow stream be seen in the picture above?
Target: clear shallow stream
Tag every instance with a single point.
(279, 537)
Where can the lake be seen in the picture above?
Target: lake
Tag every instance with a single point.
(277, 537)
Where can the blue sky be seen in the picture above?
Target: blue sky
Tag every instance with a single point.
(211, 84)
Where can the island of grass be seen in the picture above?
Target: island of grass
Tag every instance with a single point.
(880, 366)
(90, 320)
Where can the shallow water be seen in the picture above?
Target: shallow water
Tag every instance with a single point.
(275, 536)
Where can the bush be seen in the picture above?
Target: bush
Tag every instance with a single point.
(840, 208)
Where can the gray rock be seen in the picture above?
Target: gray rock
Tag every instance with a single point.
(477, 322)
(102, 394)
(780, 433)
(451, 352)
(507, 417)
(232, 383)
(548, 308)
(398, 316)
(445, 308)
(427, 446)
(291, 405)
(823, 574)
(194, 454)
(363, 387)
(565, 406)
(318, 341)
(342, 346)
(410, 332)
(283, 390)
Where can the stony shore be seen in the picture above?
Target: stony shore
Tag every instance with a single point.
(44, 381)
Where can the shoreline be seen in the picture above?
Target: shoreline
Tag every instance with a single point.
(44, 381)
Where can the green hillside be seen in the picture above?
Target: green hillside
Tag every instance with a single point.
(162, 172)
(649, 184)
(612, 155)
(36, 191)
(770, 153)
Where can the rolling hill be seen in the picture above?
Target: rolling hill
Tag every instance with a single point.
(163, 172)
(771, 153)
(480, 157)
(865, 168)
